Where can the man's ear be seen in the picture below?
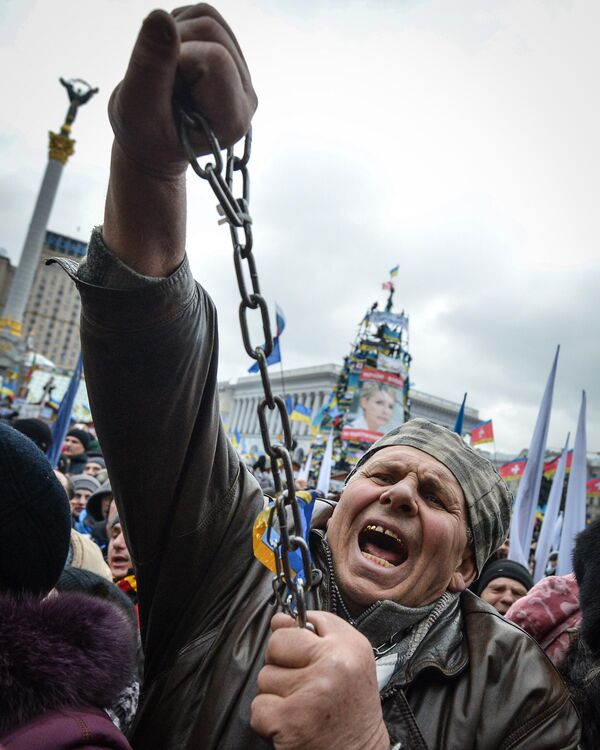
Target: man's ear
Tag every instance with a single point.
(465, 573)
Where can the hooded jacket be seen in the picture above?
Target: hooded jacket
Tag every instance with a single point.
(205, 603)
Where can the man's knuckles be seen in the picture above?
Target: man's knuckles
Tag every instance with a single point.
(212, 82)
(278, 680)
(290, 647)
(265, 715)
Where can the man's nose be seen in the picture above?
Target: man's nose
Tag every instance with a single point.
(401, 497)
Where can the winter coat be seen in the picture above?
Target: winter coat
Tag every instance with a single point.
(548, 612)
(73, 465)
(206, 604)
(62, 660)
(72, 728)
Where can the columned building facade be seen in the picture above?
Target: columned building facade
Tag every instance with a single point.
(311, 386)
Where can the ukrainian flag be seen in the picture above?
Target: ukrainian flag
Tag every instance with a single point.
(301, 413)
(394, 271)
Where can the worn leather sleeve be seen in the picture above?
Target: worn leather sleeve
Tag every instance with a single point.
(187, 503)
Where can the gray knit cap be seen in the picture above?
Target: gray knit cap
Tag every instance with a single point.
(85, 482)
(487, 496)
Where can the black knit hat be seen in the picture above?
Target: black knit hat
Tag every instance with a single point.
(35, 524)
(84, 437)
(36, 430)
(503, 569)
(87, 582)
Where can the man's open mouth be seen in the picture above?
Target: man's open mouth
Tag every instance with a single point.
(382, 546)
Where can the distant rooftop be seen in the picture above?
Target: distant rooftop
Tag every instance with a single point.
(67, 245)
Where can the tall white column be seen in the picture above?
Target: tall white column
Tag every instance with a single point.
(61, 147)
(243, 411)
(233, 416)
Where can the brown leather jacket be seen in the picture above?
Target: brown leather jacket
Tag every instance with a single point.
(188, 504)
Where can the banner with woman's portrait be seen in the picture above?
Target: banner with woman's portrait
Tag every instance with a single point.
(377, 406)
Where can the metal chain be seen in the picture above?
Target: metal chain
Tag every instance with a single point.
(290, 594)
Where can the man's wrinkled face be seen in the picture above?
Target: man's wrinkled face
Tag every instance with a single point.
(72, 446)
(399, 531)
(501, 593)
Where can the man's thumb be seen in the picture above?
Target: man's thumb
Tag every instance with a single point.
(151, 72)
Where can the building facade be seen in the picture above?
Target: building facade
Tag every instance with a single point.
(311, 386)
(51, 319)
(7, 271)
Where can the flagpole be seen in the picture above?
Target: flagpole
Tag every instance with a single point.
(61, 426)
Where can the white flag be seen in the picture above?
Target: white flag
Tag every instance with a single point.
(305, 470)
(325, 471)
(548, 532)
(523, 514)
(557, 533)
(574, 520)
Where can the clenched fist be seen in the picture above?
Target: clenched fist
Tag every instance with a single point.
(190, 55)
(319, 691)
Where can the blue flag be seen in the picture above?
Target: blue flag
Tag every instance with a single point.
(63, 418)
(301, 413)
(458, 427)
(272, 359)
(289, 404)
(280, 320)
(275, 355)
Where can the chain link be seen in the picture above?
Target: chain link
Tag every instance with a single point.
(290, 593)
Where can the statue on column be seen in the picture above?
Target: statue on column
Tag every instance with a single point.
(61, 146)
(79, 92)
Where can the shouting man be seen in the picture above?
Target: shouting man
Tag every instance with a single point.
(403, 655)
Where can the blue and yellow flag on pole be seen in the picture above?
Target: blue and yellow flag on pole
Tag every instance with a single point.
(301, 413)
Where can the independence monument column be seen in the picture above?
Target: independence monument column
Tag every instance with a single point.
(61, 146)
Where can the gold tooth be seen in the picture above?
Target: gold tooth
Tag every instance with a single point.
(372, 527)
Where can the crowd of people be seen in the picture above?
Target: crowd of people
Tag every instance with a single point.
(134, 613)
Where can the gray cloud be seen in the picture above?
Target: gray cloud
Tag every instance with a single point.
(449, 138)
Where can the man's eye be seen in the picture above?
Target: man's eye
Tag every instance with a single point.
(385, 478)
(431, 498)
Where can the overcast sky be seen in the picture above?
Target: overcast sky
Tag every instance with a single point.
(457, 139)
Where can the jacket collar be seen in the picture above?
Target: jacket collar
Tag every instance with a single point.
(443, 648)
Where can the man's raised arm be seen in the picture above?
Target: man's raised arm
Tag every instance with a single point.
(150, 345)
(189, 54)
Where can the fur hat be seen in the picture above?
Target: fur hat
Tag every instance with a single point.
(586, 562)
(84, 437)
(487, 497)
(35, 524)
